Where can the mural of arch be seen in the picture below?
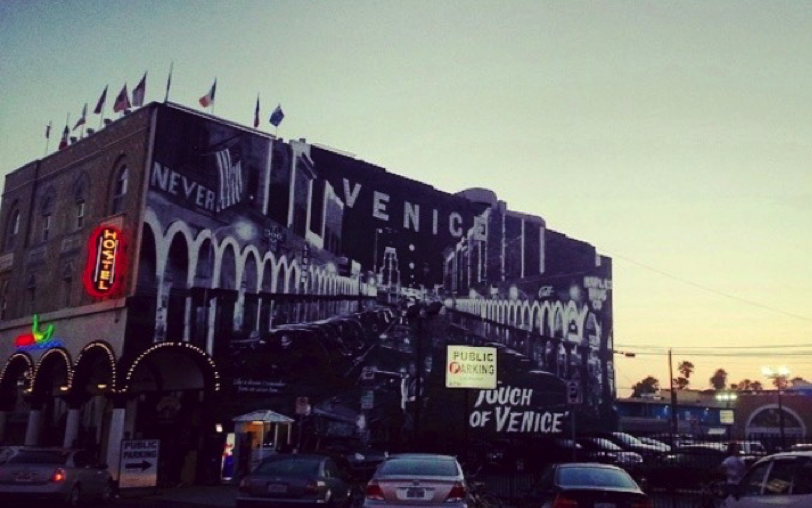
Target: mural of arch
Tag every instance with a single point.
(766, 421)
(175, 279)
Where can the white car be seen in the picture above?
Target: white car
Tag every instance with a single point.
(783, 479)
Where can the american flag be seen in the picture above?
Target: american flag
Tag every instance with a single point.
(230, 173)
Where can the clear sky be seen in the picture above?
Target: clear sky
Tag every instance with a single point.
(676, 137)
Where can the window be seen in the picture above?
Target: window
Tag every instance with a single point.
(13, 228)
(780, 479)
(751, 484)
(80, 213)
(119, 191)
(46, 226)
(32, 293)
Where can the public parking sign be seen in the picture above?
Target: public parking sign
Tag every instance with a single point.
(471, 367)
(139, 463)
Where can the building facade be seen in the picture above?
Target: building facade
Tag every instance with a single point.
(174, 270)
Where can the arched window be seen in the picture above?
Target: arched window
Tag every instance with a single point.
(47, 212)
(13, 228)
(79, 202)
(119, 191)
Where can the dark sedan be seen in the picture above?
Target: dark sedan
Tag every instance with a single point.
(588, 484)
(295, 480)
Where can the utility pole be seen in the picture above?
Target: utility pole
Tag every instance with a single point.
(674, 427)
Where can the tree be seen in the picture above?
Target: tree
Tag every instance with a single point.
(648, 385)
(756, 386)
(681, 382)
(686, 368)
(798, 380)
(719, 379)
(744, 385)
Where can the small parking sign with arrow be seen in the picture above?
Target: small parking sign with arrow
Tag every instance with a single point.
(139, 463)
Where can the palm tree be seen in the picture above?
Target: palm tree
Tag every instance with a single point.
(744, 385)
(756, 386)
(681, 383)
(719, 379)
(686, 368)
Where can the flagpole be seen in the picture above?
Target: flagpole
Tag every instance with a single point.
(169, 81)
(48, 138)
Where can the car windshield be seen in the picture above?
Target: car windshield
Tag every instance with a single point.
(299, 466)
(594, 477)
(416, 467)
(39, 457)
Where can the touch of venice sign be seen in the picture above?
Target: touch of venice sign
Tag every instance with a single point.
(471, 367)
(105, 261)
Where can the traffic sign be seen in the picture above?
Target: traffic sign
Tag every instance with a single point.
(574, 392)
(138, 466)
(471, 367)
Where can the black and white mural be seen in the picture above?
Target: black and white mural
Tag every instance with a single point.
(305, 272)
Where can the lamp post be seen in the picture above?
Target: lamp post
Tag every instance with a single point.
(779, 375)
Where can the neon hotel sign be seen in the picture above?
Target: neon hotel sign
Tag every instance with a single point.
(104, 262)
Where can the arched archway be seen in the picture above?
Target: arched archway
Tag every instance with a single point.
(141, 309)
(175, 277)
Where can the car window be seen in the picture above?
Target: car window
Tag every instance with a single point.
(290, 467)
(802, 483)
(419, 467)
(751, 484)
(594, 477)
(780, 479)
(39, 457)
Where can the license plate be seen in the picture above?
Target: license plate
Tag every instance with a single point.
(277, 488)
(605, 505)
(415, 493)
(24, 478)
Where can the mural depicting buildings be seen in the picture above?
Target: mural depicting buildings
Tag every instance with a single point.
(175, 270)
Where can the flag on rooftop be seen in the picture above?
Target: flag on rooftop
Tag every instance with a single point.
(81, 120)
(230, 176)
(256, 114)
(277, 116)
(208, 99)
(122, 101)
(169, 81)
(140, 91)
(63, 143)
(48, 130)
(101, 101)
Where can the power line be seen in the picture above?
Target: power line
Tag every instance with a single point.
(691, 348)
(714, 291)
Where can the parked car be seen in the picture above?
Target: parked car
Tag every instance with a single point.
(587, 484)
(417, 479)
(783, 479)
(6, 452)
(631, 444)
(603, 450)
(36, 475)
(691, 465)
(295, 480)
(663, 447)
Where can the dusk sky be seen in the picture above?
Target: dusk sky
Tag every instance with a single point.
(676, 137)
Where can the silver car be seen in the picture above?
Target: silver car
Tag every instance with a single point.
(54, 474)
(418, 480)
(783, 479)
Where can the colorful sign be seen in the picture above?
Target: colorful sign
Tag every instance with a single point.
(104, 261)
(37, 339)
(471, 367)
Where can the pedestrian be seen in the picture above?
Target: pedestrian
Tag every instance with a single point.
(732, 467)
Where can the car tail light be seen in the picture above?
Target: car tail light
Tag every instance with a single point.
(312, 486)
(645, 503)
(58, 475)
(374, 491)
(562, 501)
(457, 493)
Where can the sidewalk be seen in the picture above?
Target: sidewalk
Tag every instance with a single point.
(202, 496)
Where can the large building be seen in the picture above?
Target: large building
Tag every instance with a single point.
(174, 270)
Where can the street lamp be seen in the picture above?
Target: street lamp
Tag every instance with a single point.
(780, 376)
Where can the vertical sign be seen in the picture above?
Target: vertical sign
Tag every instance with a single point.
(139, 463)
(105, 262)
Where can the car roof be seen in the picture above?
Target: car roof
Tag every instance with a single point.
(596, 465)
(422, 456)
